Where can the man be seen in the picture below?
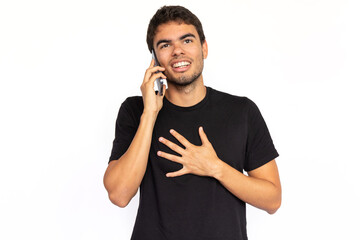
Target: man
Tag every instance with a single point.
(187, 149)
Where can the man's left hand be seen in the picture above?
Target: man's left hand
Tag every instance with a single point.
(199, 160)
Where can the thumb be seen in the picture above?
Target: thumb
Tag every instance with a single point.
(164, 90)
(203, 136)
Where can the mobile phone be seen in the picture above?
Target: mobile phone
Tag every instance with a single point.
(159, 82)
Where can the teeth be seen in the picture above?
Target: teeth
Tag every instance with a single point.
(181, 64)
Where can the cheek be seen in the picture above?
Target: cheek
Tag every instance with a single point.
(200, 56)
(198, 52)
(163, 56)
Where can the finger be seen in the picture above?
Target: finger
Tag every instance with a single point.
(150, 71)
(151, 81)
(180, 138)
(152, 63)
(203, 136)
(156, 68)
(177, 173)
(172, 145)
(156, 76)
(164, 90)
(170, 157)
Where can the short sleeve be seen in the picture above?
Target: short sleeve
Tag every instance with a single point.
(125, 129)
(259, 148)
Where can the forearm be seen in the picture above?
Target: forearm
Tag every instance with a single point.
(122, 179)
(258, 192)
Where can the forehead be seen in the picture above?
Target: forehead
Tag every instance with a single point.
(174, 30)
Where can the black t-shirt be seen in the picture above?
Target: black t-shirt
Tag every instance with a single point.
(189, 206)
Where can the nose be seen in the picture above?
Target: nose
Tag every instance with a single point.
(177, 51)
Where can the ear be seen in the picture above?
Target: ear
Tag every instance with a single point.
(205, 49)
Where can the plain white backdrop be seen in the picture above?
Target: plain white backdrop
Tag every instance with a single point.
(66, 66)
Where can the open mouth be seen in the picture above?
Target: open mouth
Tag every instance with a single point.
(181, 66)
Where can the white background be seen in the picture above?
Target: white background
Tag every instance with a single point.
(66, 66)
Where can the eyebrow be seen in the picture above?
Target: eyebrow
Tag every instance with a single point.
(187, 35)
(181, 38)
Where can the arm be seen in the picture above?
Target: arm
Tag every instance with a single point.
(261, 188)
(123, 176)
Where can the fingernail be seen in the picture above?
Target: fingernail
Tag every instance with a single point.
(171, 130)
(158, 153)
(161, 139)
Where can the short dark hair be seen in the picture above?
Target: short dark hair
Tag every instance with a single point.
(172, 13)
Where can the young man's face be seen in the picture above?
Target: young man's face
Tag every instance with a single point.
(180, 52)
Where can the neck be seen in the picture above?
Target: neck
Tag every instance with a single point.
(186, 96)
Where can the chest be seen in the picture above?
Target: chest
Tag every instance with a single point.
(226, 130)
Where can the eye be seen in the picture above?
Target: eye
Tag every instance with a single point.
(164, 46)
(187, 41)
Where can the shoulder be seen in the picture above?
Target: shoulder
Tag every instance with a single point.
(230, 100)
(133, 101)
(132, 106)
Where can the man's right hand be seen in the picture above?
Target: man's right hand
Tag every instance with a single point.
(123, 176)
(152, 102)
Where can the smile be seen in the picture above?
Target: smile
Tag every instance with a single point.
(180, 64)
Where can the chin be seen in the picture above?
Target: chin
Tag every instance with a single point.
(184, 81)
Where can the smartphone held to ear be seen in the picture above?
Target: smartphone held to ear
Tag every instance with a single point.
(159, 82)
